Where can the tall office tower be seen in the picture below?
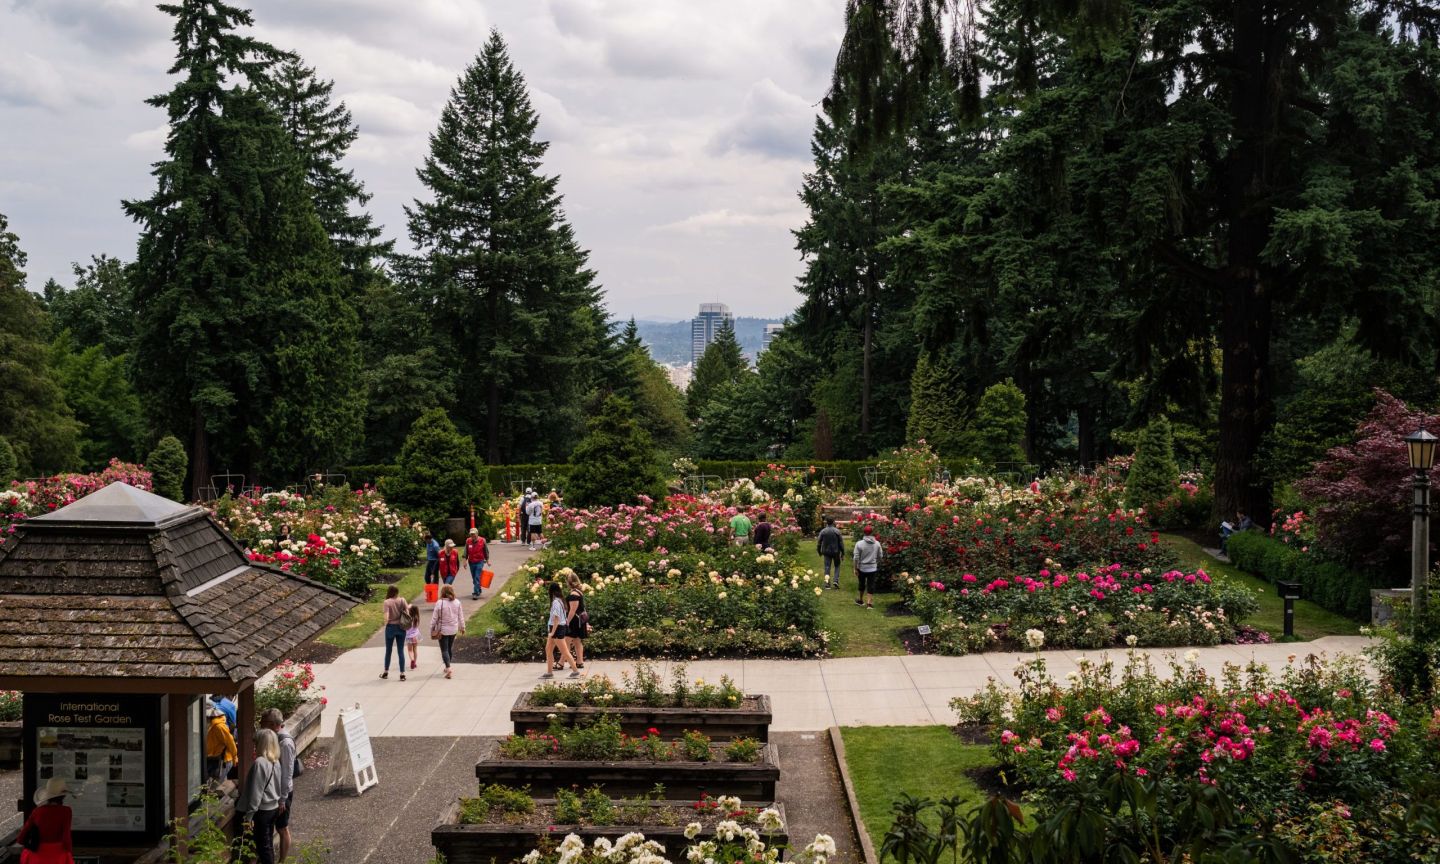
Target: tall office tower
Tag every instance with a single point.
(771, 330)
(706, 326)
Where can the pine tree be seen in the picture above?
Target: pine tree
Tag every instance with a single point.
(167, 464)
(731, 421)
(615, 462)
(722, 363)
(33, 414)
(322, 131)
(438, 474)
(8, 465)
(501, 271)
(999, 426)
(937, 404)
(1153, 474)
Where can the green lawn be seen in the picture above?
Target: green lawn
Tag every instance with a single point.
(924, 761)
(1311, 621)
(360, 623)
(860, 632)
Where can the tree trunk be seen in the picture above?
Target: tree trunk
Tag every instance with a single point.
(1246, 289)
(199, 454)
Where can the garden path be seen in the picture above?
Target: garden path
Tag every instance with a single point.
(806, 695)
(504, 558)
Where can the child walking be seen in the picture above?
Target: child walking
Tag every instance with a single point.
(412, 634)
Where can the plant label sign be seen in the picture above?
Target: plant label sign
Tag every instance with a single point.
(923, 629)
(352, 762)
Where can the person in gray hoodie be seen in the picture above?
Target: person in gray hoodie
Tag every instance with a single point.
(868, 555)
(830, 545)
(260, 803)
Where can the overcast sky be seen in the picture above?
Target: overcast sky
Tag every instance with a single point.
(679, 128)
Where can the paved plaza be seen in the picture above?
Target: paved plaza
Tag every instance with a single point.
(807, 695)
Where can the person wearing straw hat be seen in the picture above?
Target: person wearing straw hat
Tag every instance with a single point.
(48, 828)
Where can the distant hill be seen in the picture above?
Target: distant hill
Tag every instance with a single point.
(669, 342)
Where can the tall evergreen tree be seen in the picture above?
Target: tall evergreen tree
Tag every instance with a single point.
(245, 341)
(33, 414)
(615, 462)
(501, 272)
(99, 309)
(722, 363)
(938, 414)
(322, 131)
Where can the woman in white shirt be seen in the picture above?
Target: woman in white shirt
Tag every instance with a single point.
(555, 633)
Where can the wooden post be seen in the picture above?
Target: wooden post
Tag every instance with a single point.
(179, 719)
(245, 725)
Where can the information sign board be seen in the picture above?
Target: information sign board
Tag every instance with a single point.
(352, 762)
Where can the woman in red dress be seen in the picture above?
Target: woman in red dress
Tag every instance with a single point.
(51, 818)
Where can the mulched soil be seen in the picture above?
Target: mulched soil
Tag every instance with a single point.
(316, 652)
(478, 649)
(972, 733)
(992, 781)
(915, 643)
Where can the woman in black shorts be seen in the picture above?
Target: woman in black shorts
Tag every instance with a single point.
(555, 633)
(577, 626)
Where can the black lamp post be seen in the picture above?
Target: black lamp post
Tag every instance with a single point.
(1421, 445)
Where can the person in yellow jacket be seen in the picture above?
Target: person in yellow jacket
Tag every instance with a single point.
(220, 750)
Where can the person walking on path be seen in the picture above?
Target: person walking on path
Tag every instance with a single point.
(763, 530)
(577, 622)
(449, 563)
(477, 555)
(740, 526)
(524, 516)
(432, 560)
(446, 621)
(259, 804)
(49, 826)
(396, 612)
(412, 635)
(273, 720)
(868, 555)
(831, 547)
(556, 633)
(535, 510)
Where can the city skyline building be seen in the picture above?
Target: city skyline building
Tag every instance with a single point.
(706, 326)
(771, 330)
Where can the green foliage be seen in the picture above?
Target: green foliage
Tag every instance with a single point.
(729, 421)
(99, 394)
(8, 464)
(615, 462)
(721, 364)
(694, 746)
(1325, 583)
(1154, 474)
(505, 284)
(597, 806)
(742, 750)
(167, 464)
(567, 807)
(937, 407)
(659, 405)
(33, 413)
(999, 425)
(99, 309)
(438, 474)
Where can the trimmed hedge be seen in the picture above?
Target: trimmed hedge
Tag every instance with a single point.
(1325, 583)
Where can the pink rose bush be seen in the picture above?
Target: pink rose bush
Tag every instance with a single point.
(288, 687)
(28, 498)
(1277, 746)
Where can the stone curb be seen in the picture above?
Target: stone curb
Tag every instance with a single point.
(837, 747)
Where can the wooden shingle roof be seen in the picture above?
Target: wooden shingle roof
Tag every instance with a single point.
(127, 584)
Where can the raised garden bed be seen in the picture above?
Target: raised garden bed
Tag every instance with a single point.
(750, 781)
(499, 841)
(304, 724)
(751, 720)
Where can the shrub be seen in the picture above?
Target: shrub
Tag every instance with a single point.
(290, 688)
(742, 750)
(438, 474)
(1154, 475)
(1325, 583)
(615, 463)
(597, 807)
(11, 703)
(168, 464)
(999, 425)
(567, 807)
(695, 746)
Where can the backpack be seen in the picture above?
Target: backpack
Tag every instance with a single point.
(299, 767)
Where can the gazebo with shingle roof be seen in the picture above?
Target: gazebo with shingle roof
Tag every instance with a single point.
(128, 593)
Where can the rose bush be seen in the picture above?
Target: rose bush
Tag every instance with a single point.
(25, 499)
(685, 524)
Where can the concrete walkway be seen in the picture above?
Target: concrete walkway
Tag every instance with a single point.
(504, 559)
(807, 695)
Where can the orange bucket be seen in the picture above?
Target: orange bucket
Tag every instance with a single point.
(432, 592)
(486, 577)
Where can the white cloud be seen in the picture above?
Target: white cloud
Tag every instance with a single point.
(772, 122)
(150, 141)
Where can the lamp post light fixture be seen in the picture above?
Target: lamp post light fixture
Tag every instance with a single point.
(1421, 446)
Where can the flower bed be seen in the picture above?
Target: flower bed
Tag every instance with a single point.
(27, 498)
(684, 524)
(757, 608)
(502, 824)
(733, 843)
(337, 536)
(751, 780)
(1108, 606)
(1311, 751)
(643, 703)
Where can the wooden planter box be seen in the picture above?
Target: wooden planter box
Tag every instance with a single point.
(721, 724)
(304, 724)
(750, 781)
(10, 744)
(480, 844)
